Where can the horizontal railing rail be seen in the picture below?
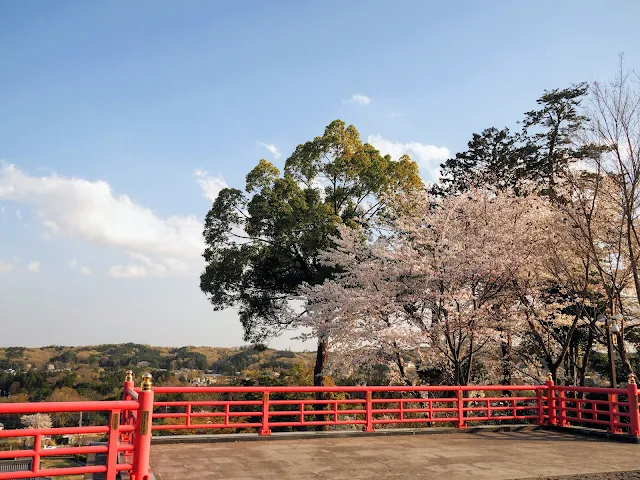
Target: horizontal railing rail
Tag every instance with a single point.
(335, 389)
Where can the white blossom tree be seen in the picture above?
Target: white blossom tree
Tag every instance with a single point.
(36, 421)
(437, 282)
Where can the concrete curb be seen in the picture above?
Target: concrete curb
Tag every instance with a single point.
(254, 437)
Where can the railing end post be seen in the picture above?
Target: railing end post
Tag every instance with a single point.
(142, 447)
(632, 398)
(551, 401)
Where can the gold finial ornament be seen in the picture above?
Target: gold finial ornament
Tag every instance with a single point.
(632, 378)
(146, 382)
(549, 377)
(129, 377)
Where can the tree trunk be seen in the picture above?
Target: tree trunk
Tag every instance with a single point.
(505, 348)
(582, 370)
(319, 380)
(622, 351)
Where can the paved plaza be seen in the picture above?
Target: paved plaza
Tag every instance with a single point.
(486, 455)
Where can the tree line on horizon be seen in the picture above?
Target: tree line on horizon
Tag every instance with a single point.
(494, 274)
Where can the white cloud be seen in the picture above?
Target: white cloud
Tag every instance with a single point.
(79, 267)
(5, 267)
(34, 267)
(210, 186)
(272, 148)
(3, 213)
(429, 157)
(18, 214)
(91, 211)
(130, 271)
(396, 114)
(360, 99)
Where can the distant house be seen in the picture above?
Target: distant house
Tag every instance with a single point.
(19, 465)
(143, 364)
(10, 371)
(51, 367)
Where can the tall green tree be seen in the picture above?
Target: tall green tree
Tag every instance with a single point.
(538, 157)
(263, 244)
(494, 158)
(551, 133)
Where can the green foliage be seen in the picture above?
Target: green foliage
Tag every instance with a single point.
(494, 158)
(263, 244)
(186, 358)
(99, 383)
(537, 158)
(551, 132)
(14, 352)
(258, 359)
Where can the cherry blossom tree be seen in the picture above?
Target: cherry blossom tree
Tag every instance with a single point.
(364, 309)
(436, 282)
(37, 421)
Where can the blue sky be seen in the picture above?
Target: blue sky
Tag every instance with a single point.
(119, 121)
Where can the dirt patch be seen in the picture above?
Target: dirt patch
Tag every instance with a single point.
(634, 475)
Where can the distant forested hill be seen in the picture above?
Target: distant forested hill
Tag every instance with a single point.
(96, 372)
(227, 360)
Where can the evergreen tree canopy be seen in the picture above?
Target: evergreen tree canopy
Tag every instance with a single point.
(262, 244)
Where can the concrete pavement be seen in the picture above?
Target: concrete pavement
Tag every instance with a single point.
(508, 455)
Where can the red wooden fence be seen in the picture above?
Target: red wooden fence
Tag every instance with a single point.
(245, 409)
(144, 410)
(128, 438)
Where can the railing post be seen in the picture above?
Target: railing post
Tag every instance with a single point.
(632, 398)
(128, 386)
(127, 418)
(112, 453)
(369, 411)
(460, 394)
(142, 448)
(563, 405)
(37, 447)
(539, 395)
(613, 412)
(265, 430)
(551, 401)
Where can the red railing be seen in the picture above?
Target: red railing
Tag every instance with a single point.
(111, 449)
(128, 440)
(615, 409)
(245, 409)
(265, 409)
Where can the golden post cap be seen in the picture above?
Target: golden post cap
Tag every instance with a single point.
(632, 378)
(549, 377)
(129, 377)
(146, 382)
